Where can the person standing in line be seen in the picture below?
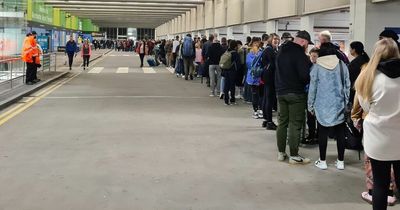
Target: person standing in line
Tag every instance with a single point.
(268, 63)
(206, 65)
(224, 45)
(325, 37)
(311, 139)
(360, 59)
(291, 77)
(199, 59)
(254, 81)
(230, 74)
(168, 50)
(377, 88)
(175, 45)
(213, 55)
(86, 53)
(241, 69)
(328, 97)
(71, 49)
(188, 54)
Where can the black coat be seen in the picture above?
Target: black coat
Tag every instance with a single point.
(355, 70)
(214, 53)
(292, 70)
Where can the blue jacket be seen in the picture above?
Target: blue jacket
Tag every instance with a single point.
(249, 60)
(327, 95)
(71, 47)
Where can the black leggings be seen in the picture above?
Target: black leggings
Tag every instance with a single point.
(70, 59)
(229, 86)
(86, 59)
(381, 173)
(323, 140)
(141, 59)
(257, 92)
(270, 101)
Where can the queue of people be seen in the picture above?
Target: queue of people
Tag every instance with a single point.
(316, 90)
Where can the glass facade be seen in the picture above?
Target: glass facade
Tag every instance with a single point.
(12, 27)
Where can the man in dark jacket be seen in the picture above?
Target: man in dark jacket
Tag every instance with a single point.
(213, 56)
(71, 49)
(291, 77)
(204, 51)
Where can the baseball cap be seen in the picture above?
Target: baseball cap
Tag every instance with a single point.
(286, 35)
(304, 35)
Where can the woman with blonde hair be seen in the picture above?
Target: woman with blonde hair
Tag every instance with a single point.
(378, 91)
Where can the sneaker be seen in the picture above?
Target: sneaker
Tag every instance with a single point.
(260, 114)
(321, 164)
(221, 96)
(366, 197)
(227, 104)
(255, 115)
(282, 156)
(391, 200)
(212, 94)
(264, 124)
(339, 165)
(298, 160)
(271, 126)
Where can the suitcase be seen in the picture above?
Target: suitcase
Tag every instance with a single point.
(151, 62)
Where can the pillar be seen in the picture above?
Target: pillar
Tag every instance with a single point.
(272, 26)
(229, 33)
(246, 30)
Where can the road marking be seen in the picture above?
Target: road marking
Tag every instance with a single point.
(126, 55)
(96, 70)
(148, 70)
(170, 69)
(122, 70)
(30, 102)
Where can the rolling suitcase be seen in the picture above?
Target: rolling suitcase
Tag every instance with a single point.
(151, 61)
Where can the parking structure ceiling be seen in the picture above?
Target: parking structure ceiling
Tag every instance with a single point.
(126, 13)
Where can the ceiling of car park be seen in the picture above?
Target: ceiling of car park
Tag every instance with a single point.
(126, 13)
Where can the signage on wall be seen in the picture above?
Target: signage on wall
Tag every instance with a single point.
(43, 41)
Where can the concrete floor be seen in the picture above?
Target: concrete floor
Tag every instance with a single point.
(153, 141)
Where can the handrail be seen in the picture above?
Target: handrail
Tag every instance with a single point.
(10, 59)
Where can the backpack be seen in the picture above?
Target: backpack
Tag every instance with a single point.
(256, 66)
(226, 61)
(187, 50)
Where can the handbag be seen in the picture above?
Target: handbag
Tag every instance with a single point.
(353, 137)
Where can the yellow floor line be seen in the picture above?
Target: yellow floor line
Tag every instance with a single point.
(22, 107)
(8, 115)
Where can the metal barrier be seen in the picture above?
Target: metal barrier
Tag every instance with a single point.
(13, 71)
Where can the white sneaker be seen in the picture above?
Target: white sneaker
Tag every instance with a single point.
(321, 164)
(282, 156)
(260, 114)
(255, 115)
(339, 165)
(298, 160)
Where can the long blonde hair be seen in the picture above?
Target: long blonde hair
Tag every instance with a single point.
(384, 49)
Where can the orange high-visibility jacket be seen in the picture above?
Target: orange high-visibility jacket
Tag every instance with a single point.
(30, 50)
